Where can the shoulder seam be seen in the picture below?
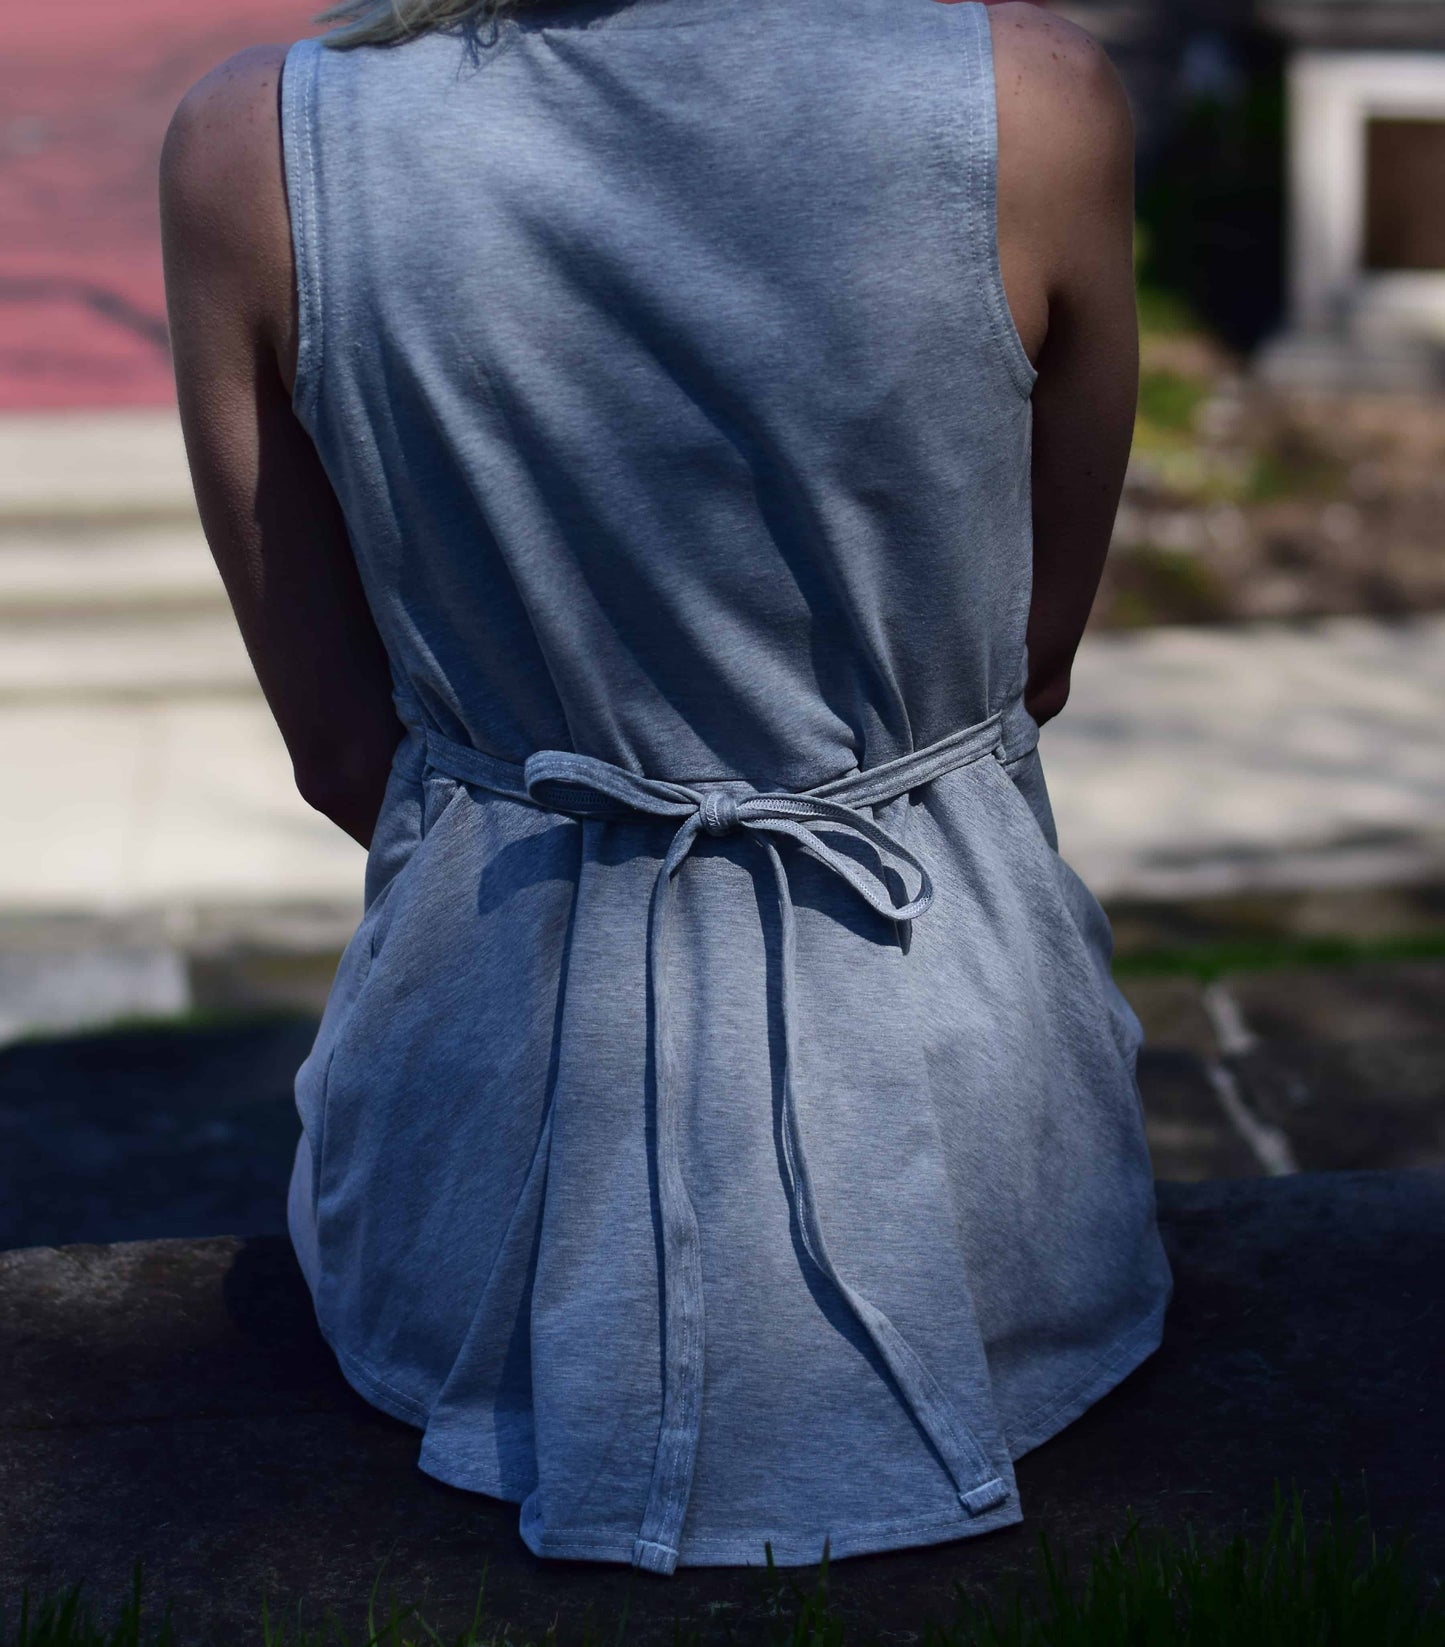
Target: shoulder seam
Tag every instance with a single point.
(298, 123)
(1006, 334)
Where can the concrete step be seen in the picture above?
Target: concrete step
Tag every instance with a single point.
(101, 466)
(106, 569)
(107, 588)
(124, 654)
(160, 803)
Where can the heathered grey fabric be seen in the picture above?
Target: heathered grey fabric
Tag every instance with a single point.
(696, 1161)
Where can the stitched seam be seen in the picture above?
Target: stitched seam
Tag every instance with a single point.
(586, 1538)
(1117, 1352)
(983, 136)
(367, 1374)
(308, 320)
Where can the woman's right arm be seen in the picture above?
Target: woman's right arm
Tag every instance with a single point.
(273, 523)
(1066, 242)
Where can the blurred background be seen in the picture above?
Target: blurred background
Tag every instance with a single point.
(1250, 774)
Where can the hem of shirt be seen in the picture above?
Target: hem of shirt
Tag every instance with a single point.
(1040, 1424)
(1133, 1347)
(372, 1387)
(789, 1549)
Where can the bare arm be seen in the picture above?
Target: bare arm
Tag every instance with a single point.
(270, 516)
(1066, 236)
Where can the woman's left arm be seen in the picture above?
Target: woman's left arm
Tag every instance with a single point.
(270, 516)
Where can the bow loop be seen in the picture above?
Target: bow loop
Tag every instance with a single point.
(804, 819)
(582, 786)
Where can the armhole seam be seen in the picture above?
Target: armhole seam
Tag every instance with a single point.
(298, 105)
(985, 141)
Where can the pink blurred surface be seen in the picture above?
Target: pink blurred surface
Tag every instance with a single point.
(86, 90)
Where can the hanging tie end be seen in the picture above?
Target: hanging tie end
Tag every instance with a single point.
(654, 1558)
(987, 1497)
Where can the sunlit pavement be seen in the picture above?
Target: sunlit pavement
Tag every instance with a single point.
(1194, 762)
(145, 774)
(143, 769)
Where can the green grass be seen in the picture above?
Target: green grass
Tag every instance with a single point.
(1165, 313)
(1295, 1584)
(1296, 467)
(1152, 581)
(1170, 400)
(1339, 1586)
(1208, 961)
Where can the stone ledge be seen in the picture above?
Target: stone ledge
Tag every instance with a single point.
(171, 1400)
(77, 466)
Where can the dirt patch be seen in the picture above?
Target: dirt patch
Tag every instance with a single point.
(1247, 501)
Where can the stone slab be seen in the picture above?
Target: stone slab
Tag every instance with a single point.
(149, 1132)
(160, 1332)
(92, 465)
(1190, 1136)
(172, 1401)
(1367, 1001)
(45, 989)
(1354, 1104)
(59, 567)
(136, 807)
(114, 654)
(1346, 1061)
(1201, 762)
(1172, 1012)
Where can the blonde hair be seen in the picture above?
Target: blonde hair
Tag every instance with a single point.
(383, 22)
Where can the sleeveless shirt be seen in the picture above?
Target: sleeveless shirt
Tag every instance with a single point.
(722, 1131)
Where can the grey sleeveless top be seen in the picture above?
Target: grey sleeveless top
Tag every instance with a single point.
(723, 1129)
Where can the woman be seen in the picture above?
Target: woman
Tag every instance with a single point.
(661, 454)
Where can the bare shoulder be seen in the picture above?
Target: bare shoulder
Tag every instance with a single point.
(225, 228)
(1058, 92)
(225, 131)
(1065, 166)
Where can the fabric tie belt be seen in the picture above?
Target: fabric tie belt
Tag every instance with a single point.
(579, 786)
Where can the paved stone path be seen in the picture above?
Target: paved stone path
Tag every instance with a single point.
(172, 1401)
(1318, 1068)
(1195, 762)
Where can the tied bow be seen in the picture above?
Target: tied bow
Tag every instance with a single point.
(584, 787)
